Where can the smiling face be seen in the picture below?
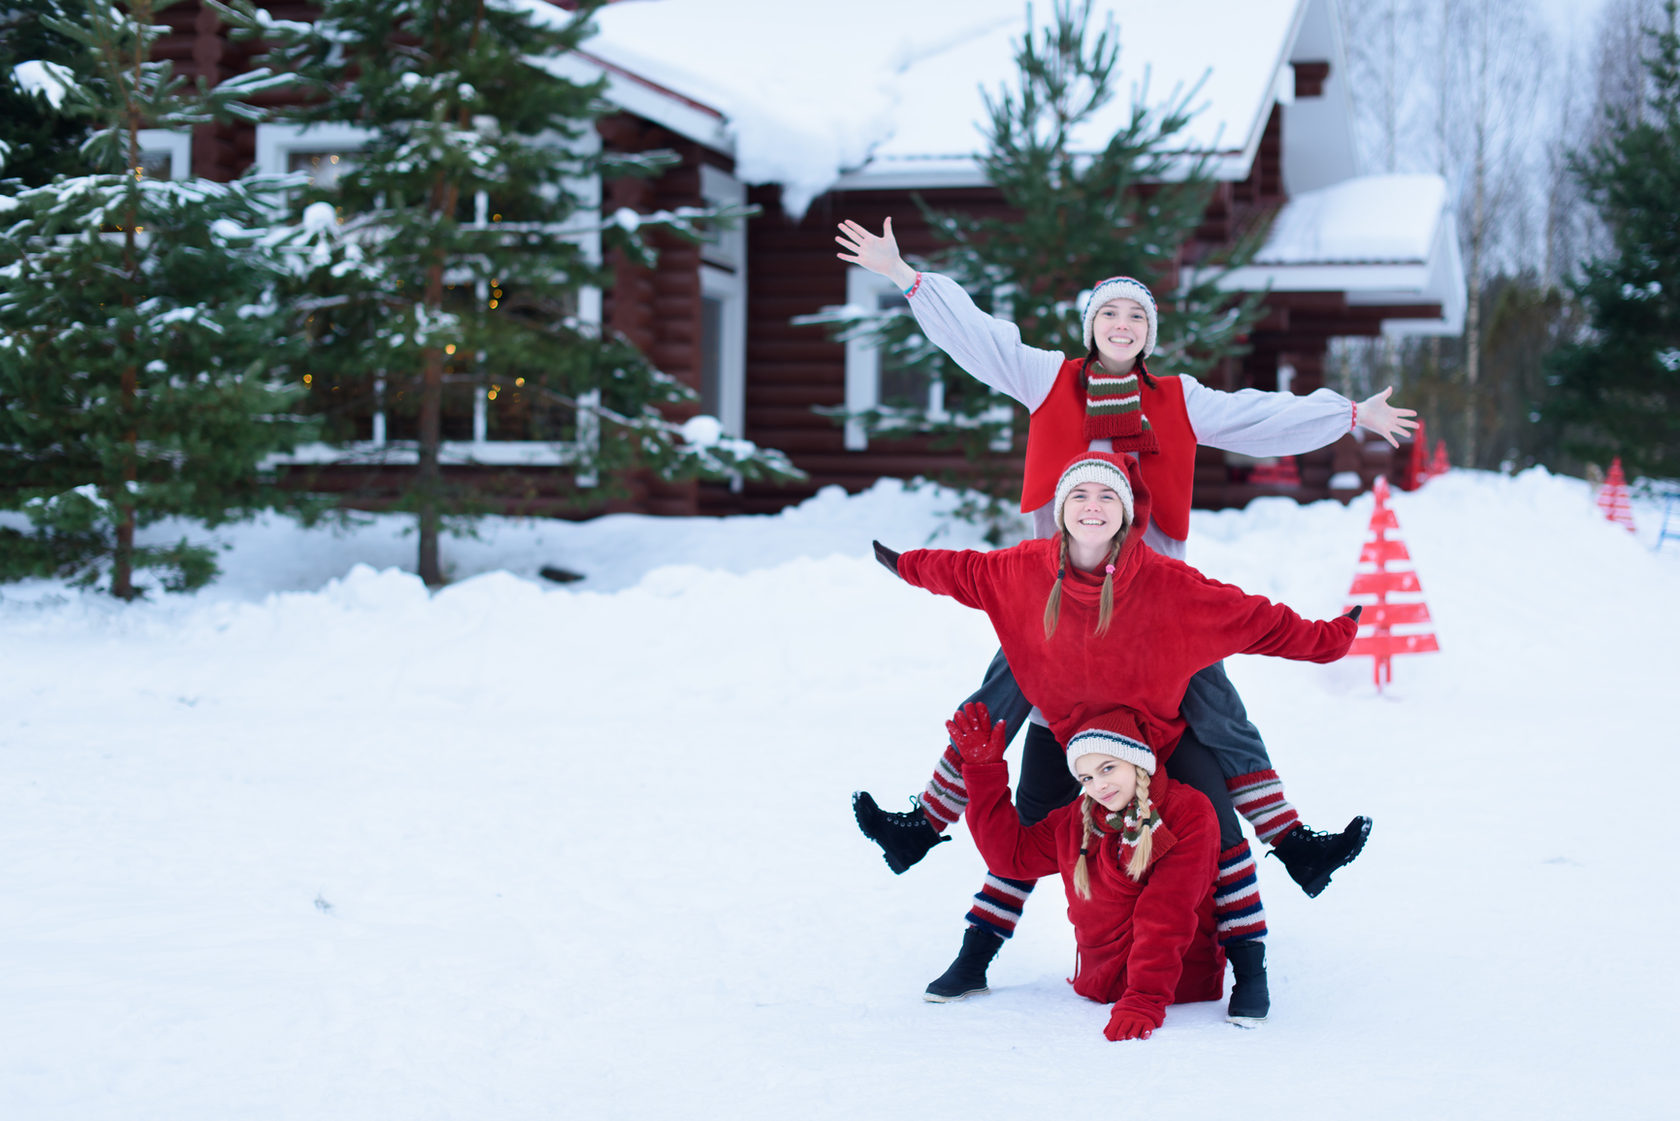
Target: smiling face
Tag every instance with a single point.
(1110, 782)
(1118, 331)
(1093, 514)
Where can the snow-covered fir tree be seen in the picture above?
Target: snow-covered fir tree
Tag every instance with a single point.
(1076, 215)
(143, 356)
(462, 259)
(36, 140)
(1617, 392)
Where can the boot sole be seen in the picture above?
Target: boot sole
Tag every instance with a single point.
(1246, 1022)
(935, 998)
(1315, 886)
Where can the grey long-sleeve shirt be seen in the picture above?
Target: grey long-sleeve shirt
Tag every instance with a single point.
(1249, 421)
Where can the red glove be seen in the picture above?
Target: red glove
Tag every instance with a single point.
(1128, 1025)
(974, 736)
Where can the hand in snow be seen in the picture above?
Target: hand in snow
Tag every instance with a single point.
(1128, 1025)
(974, 735)
(1377, 415)
(888, 558)
(877, 254)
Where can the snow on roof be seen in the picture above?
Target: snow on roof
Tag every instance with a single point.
(1374, 218)
(1384, 240)
(886, 89)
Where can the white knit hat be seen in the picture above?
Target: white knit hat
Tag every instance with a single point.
(1103, 468)
(1116, 734)
(1116, 288)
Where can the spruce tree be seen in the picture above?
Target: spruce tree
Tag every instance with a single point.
(142, 352)
(1076, 217)
(36, 140)
(458, 263)
(1617, 391)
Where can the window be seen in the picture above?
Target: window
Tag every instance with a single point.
(323, 151)
(878, 382)
(725, 249)
(165, 154)
(487, 417)
(723, 329)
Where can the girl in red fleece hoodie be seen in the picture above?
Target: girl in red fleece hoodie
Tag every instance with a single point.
(1092, 620)
(1136, 854)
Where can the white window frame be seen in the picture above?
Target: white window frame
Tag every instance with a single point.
(176, 144)
(730, 290)
(864, 289)
(728, 249)
(275, 145)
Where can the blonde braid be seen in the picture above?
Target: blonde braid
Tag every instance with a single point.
(1053, 605)
(1081, 873)
(1145, 842)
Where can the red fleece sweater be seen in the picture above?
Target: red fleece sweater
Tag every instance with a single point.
(1169, 622)
(1143, 944)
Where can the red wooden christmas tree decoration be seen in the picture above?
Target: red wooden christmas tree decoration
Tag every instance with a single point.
(1387, 587)
(1416, 472)
(1283, 473)
(1613, 496)
(1439, 465)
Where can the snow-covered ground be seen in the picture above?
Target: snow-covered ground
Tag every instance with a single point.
(315, 843)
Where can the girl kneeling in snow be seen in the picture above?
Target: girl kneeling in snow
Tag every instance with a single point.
(1137, 855)
(1093, 620)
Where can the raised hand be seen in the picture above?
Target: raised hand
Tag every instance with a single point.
(974, 735)
(1377, 415)
(877, 254)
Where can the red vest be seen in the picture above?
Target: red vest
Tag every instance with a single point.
(1056, 433)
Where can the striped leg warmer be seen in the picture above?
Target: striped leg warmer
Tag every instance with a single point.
(946, 793)
(997, 906)
(1258, 796)
(1236, 897)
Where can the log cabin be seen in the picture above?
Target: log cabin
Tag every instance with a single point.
(762, 103)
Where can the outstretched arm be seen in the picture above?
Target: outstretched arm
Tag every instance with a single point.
(1215, 620)
(963, 574)
(989, 349)
(1257, 422)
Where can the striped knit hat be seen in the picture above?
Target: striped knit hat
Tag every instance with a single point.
(1115, 734)
(1121, 288)
(1103, 468)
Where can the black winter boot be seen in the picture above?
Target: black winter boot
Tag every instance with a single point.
(967, 975)
(1249, 999)
(1311, 857)
(904, 838)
